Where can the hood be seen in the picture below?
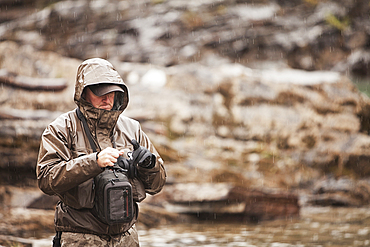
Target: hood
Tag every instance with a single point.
(101, 122)
(96, 71)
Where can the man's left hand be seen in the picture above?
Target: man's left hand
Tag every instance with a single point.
(142, 156)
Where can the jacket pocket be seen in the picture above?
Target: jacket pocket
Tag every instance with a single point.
(81, 196)
(138, 190)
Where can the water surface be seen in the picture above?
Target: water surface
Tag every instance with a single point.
(317, 226)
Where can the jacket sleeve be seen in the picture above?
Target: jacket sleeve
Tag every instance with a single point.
(57, 171)
(154, 178)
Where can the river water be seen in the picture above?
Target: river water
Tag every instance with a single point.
(316, 226)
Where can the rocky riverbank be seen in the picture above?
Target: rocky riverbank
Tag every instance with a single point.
(267, 132)
(232, 95)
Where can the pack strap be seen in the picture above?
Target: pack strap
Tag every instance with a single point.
(56, 239)
(86, 128)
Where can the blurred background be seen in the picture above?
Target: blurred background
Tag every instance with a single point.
(260, 110)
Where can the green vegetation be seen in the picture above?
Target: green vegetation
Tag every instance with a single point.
(157, 1)
(337, 23)
(363, 85)
(312, 2)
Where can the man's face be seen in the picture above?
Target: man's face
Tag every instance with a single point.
(105, 101)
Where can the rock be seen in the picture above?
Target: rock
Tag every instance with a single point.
(154, 78)
(25, 242)
(318, 114)
(357, 60)
(26, 223)
(310, 36)
(29, 83)
(21, 217)
(228, 201)
(341, 192)
(336, 200)
(154, 216)
(19, 142)
(296, 117)
(18, 114)
(45, 202)
(31, 63)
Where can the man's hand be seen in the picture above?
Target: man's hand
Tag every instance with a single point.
(142, 156)
(108, 157)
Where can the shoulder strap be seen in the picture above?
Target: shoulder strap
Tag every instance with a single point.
(86, 128)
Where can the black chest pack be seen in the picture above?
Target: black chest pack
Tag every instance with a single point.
(113, 197)
(113, 191)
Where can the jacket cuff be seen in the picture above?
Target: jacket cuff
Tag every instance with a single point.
(154, 168)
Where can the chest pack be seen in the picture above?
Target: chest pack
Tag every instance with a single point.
(113, 197)
(113, 192)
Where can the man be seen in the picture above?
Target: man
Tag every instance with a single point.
(67, 162)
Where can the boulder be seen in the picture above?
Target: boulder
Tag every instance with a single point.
(225, 201)
(17, 219)
(341, 192)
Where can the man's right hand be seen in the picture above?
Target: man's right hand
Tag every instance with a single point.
(108, 156)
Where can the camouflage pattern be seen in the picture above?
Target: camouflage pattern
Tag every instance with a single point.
(71, 239)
